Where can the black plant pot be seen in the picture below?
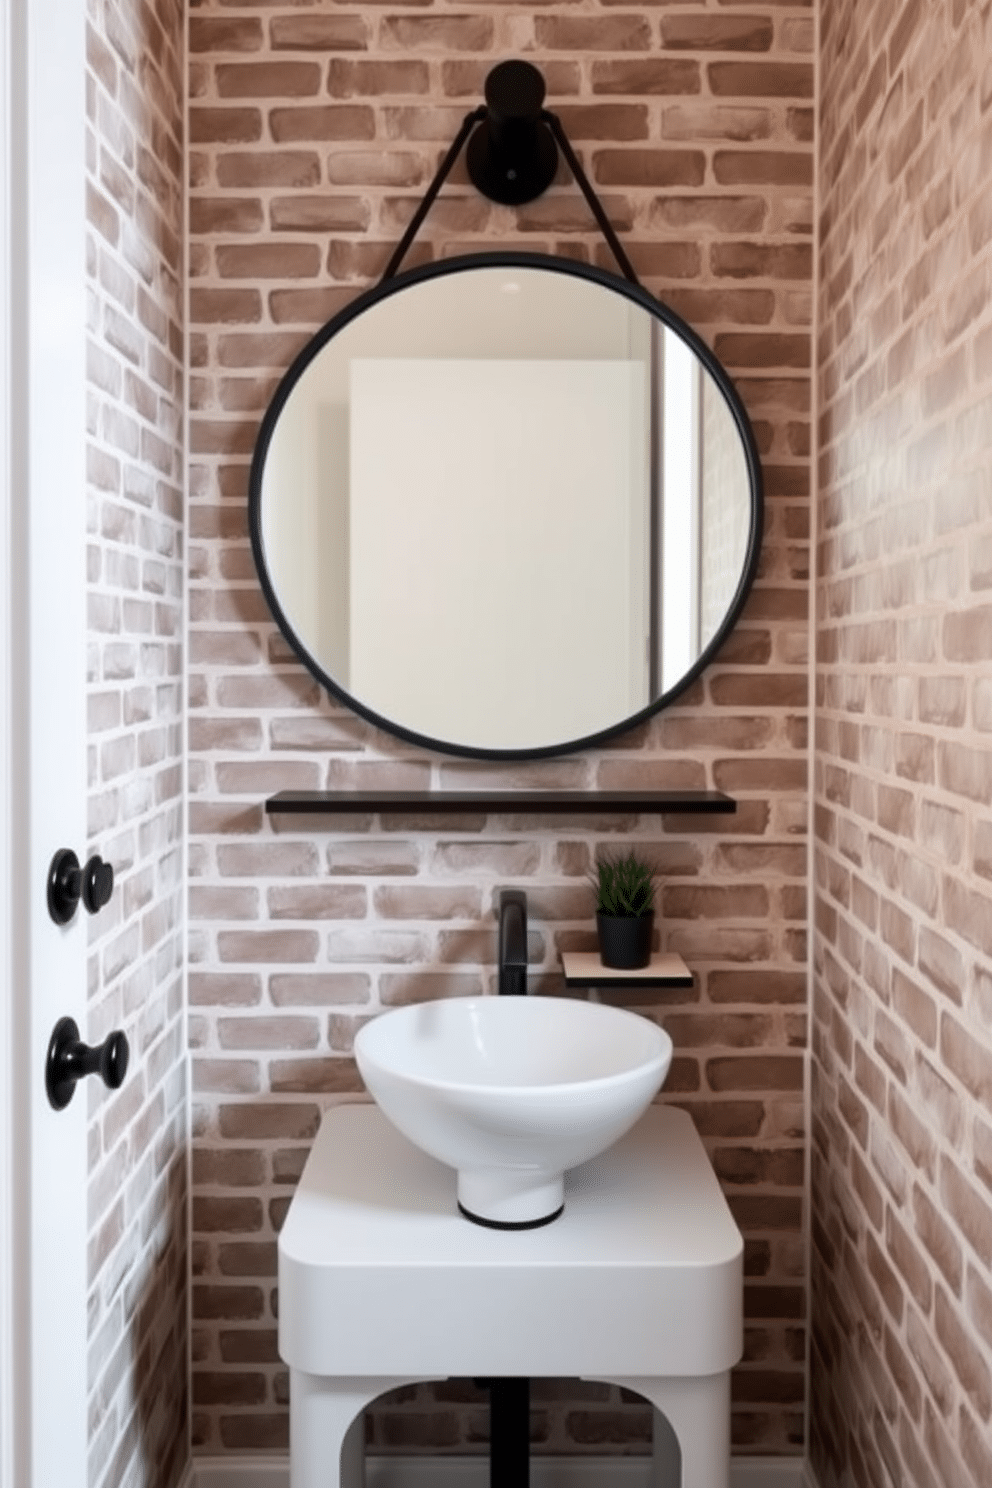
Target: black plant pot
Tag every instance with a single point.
(625, 940)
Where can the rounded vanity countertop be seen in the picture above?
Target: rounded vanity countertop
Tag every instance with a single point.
(379, 1273)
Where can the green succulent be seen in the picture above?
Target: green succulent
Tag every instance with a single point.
(624, 886)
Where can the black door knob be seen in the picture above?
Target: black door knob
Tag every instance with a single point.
(69, 1060)
(68, 883)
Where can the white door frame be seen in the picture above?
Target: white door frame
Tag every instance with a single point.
(43, 1435)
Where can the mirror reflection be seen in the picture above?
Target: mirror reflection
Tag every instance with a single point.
(505, 505)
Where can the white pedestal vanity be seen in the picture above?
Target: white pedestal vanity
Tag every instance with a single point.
(382, 1283)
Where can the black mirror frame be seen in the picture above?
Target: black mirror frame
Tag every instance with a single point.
(517, 260)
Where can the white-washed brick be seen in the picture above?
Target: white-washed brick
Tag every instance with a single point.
(904, 526)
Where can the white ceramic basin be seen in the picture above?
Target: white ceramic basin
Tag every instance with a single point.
(512, 1091)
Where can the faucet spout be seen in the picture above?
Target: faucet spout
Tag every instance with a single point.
(512, 943)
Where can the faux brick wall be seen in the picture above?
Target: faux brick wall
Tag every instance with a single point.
(137, 1137)
(901, 1378)
(313, 130)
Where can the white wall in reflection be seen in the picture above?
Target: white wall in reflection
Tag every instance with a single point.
(500, 525)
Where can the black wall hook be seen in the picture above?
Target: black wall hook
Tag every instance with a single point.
(68, 883)
(511, 156)
(68, 1060)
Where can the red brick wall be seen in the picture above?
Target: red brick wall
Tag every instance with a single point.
(313, 131)
(138, 1137)
(901, 1381)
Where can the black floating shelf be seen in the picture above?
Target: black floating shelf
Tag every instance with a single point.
(428, 802)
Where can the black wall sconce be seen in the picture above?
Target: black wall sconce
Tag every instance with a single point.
(512, 155)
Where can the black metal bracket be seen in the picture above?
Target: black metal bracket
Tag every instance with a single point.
(512, 156)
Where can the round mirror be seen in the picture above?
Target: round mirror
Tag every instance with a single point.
(505, 505)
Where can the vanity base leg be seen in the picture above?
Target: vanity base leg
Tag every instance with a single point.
(697, 1409)
(327, 1427)
(509, 1433)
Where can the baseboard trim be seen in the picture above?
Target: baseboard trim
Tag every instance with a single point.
(265, 1471)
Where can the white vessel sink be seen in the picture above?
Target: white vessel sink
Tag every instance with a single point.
(512, 1091)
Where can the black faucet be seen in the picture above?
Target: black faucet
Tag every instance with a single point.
(512, 943)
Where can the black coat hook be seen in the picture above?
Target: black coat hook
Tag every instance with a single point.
(68, 883)
(68, 1060)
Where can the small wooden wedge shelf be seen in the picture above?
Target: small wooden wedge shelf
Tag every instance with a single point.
(585, 969)
(542, 802)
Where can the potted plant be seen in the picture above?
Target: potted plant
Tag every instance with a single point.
(625, 889)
